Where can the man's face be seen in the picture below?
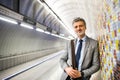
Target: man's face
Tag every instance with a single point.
(79, 28)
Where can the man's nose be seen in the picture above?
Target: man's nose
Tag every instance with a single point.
(78, 28)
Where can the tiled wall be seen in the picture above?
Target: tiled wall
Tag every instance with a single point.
(109, 39)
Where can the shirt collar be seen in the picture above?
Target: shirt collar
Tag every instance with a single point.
(84, 38)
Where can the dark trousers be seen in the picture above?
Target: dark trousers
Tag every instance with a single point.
(68, 78)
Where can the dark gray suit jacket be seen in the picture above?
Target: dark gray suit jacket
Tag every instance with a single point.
(90, 62)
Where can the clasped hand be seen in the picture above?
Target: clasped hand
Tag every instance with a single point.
(73, 73)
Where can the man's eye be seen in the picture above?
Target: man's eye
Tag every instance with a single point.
(75, 27)
(81, 25)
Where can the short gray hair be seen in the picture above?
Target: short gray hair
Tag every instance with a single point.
(79, 19)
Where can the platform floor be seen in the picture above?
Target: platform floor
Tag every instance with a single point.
(46, 70)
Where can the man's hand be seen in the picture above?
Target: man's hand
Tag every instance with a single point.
(72, 72)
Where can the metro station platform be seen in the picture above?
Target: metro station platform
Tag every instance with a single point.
(45, 68)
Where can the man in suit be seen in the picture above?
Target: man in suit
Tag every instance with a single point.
(88, 62)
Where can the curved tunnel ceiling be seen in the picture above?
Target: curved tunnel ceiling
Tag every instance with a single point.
(38, 12)
(67, 10)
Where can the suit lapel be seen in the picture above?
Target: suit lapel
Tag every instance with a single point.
(86, 48)
(75, 43)
(87, 43)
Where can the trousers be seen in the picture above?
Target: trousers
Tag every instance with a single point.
(68, 78)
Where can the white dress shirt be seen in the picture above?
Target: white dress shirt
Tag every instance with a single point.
(82, 51)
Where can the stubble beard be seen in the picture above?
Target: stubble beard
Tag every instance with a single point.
(80, 34)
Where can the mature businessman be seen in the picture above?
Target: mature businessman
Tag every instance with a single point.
(87, 55)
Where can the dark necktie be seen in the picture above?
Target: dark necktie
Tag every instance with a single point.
(78, 54)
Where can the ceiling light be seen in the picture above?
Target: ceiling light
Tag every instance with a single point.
(60, 36)
(7, 19)
(70, 37)
(47, 32)
(64, 38)
(26, 25)
(40, 30)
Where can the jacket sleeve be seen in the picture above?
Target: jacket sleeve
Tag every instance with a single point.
(64, 58)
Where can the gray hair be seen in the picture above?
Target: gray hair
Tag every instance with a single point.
(79, 19)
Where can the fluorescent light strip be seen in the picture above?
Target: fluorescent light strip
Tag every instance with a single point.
(7, 19)
(54, 35)
(26, 25)
(47, 32)
(40, 30)
(60, 37)
(70, 37)
(64, 38)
